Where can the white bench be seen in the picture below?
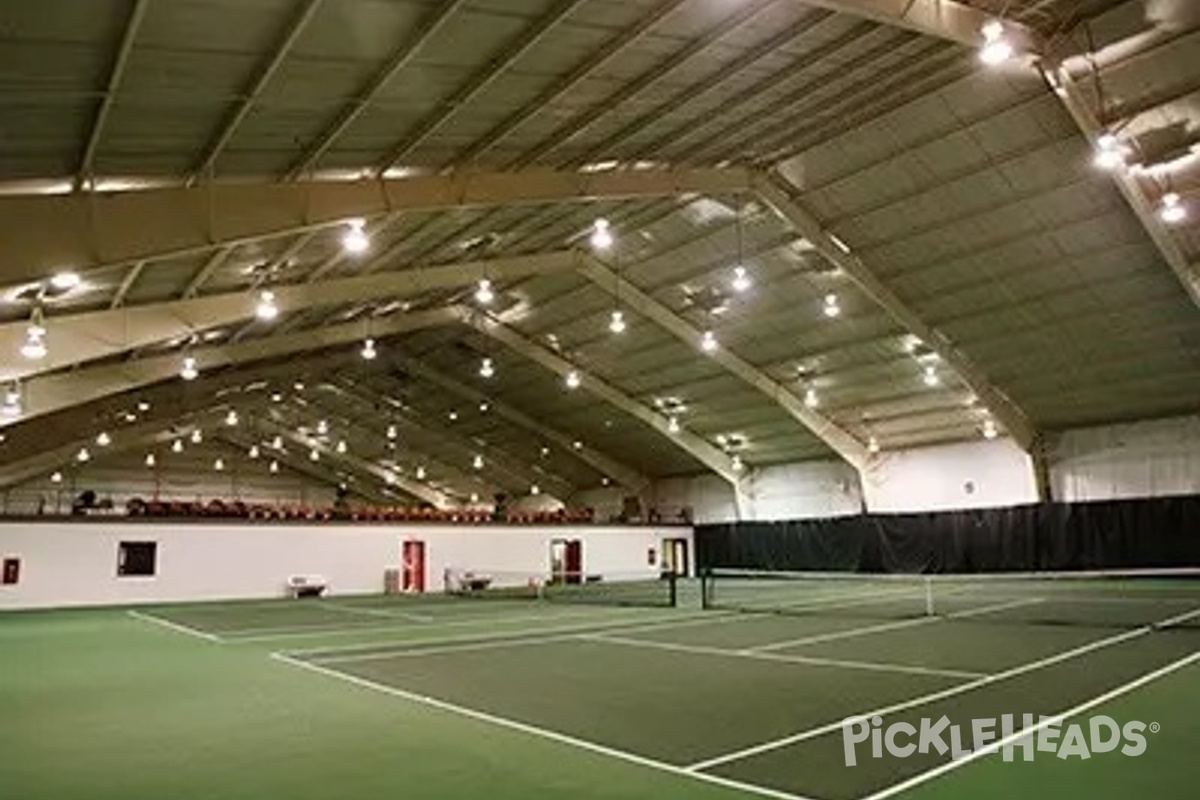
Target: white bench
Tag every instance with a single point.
(306, 585)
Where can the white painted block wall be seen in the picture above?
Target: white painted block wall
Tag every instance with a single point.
(75, 564)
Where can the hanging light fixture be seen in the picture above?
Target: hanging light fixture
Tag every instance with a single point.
(832, 307)
(12, 401)
(341, 446)
(602, 237)
(811, 400)
(486, 369)
(484, 407)
(736, 464)
(535, 490)
(477, 462)
(389, 478)
(673, 424)
(354, 240)
(177, 446)
(103, 439)
(56, 477)
(452, 416)
(314, 455)
(421, 473)
(197, 436)
(1110, 152)
(219, 464)
(368, 351)
(708, 342)
(989, 429)
(931, 376)
(484, 294)
(277, 443)
(231, 419)
(322, 427)
(573, 380)
(391, 432)
(83, 455)
(616, 323)
(266, 310)
(34, 347)
(273, 467)
(64, 281)
(996, 47)
(189, 371)
(741, 279)
(254, 453)
(1172, 210)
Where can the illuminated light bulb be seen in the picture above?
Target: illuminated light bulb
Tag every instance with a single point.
(741, 281)
(477, 462)
(810, 398)
(1110, 152)
(322, 427)
(736, 464)
(368, 351)
(103, 439)
(56, 477)
(150, 460)
(389, 478)
(474, 497)
(484, 294)
(276, 397)
(617, 323)
(143, 406)
(484, 408)
(189, 372)
(452, 416)
(486, 369)
(231, 419)
(65, 280)
(573, 380)
(266, 310)
(832, 307)
(931, 377)
(219, 464)
(277, 443)
(535, 490)
(1172, 211)
(34, 347)
(989, 429)
(83, 455)
(341, 446)
(254, 453)
(273, 467)
(420, 473)
(996, 49)
(673, 425)
(872, 445)
(314, 455)
(578, 445)
(197, 436)
(708, 342)
(391, 432)
(177, 446)
(602, 237)
(354, 240)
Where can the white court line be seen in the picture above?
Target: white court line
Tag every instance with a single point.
(953, 691)
(542, 733)
(377, 612)
(890, 626)
(870, 666)
(299, 632)
(1044, 722)
(453, 648)
(372, 651)
(175, 626)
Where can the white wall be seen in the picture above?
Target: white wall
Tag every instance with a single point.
(66, 563)
(811, 489)
(1143, 459)
(981, 474)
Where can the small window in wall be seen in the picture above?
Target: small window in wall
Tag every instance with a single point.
(136, 559)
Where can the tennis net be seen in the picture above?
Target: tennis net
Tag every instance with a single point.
(612, 588)
(1123, 599)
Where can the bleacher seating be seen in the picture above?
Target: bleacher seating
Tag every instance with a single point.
(237, 509)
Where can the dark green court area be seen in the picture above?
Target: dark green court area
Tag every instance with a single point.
(455, 698)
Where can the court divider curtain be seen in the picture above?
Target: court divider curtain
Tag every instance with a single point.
(1157, 532)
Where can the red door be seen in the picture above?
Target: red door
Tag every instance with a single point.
(412, 566)
(574, 561)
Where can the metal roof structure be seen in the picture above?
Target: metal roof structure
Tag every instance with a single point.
(834, 230)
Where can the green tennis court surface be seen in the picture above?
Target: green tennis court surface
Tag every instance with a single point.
(451, 697)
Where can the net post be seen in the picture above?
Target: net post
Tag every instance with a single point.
(929, 608)
(673, 582)
(706, 588)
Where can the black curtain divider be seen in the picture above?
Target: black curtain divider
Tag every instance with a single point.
(1117, 534)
